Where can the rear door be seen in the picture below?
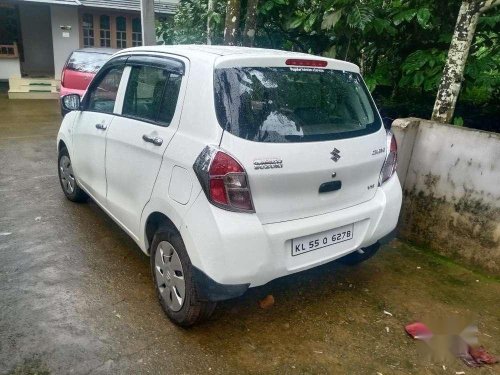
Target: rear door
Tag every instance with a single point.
(310, 139)
(141, 133)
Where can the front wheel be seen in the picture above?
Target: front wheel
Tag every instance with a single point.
(173, 278)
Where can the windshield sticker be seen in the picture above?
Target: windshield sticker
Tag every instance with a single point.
(310, 70)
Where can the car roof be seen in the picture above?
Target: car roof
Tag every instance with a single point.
(211, 53)
(106, 51)
(216, 50)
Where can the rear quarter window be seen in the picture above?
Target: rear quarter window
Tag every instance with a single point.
(293, 104)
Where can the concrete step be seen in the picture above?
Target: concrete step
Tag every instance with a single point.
(33, 88)
(27, 81)
(33, 95)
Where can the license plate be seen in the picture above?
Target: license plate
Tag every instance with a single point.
(320, 240)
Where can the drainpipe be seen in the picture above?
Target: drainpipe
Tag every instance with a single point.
(148, 23)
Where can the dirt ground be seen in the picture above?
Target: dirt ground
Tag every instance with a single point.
(76, 295)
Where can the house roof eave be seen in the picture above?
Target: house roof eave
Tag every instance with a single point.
(58, 2)
(161, 7)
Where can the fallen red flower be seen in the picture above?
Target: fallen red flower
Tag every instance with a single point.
(418, 331)
(481, 356)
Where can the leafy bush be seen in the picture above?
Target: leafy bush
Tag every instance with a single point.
(401, 46)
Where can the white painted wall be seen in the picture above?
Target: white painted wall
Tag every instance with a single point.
(451, 191)
(9, 68)
(64, 42)
(467, 161)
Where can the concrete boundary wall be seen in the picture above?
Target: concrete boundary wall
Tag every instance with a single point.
(451, 181)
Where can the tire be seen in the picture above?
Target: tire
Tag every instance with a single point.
(167, 268)
(357, 258)
(67, 179)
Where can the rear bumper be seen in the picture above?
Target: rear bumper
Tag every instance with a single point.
(388, 237)
(233, 248)
(210, 290)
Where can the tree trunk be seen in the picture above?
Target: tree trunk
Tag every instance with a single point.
(250, 23)
(232, 22)
(451, 81)
(210, 31)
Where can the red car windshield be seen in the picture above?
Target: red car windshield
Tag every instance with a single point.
(87, 62)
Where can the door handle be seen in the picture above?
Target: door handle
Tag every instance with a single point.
(157, 141)
(101, 126)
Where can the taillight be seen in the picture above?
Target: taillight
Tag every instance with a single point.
(391, 158)
(62, 77)
(307, 62)
(224, 180)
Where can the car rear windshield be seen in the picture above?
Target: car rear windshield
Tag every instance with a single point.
(87, 62)
(293, 104)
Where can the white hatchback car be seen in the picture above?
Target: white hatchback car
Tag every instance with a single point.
(231, 166)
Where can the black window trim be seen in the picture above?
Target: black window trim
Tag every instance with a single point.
(168, 64)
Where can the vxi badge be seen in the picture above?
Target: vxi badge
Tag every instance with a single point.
(335, 155)
(268, 163)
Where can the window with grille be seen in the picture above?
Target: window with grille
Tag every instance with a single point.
(88, 30)
(105, 31)
(121, 32)
(136, 32)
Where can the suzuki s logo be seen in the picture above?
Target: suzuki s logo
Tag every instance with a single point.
(335, 155)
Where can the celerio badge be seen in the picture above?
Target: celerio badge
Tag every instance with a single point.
(335, 155)
(268, 163)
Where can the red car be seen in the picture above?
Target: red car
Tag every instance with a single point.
(81, 67)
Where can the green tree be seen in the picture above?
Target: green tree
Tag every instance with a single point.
(400, 45)
(232, 22)
(453, 74)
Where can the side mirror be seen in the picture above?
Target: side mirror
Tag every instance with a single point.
(71, 102)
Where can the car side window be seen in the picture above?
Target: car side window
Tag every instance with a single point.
(144, 92)
(169, 101)
(103, 96)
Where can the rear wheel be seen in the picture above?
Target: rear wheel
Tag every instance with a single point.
(173, 278)
(67, 178)
(357, 257)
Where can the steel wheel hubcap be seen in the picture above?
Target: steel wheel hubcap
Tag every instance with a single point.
(66, 174)
(170, 276)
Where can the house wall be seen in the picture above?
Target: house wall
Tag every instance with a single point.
(37, 39)
(9, 67)
(64, 41)
(451, 181)
(112, 14)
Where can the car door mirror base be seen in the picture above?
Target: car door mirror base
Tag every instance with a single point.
(71, 102)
